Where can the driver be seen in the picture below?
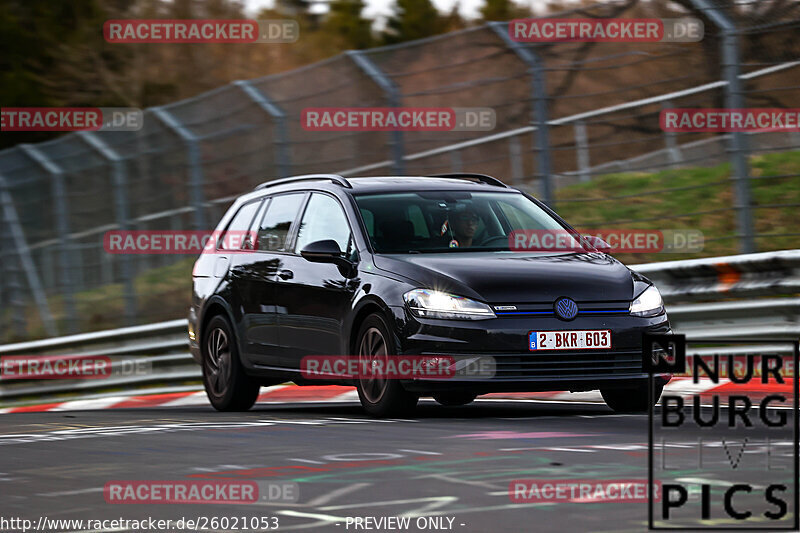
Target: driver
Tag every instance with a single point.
(465, 224)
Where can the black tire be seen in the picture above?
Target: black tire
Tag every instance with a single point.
(380, 397)
(453, 399)
(227, 386)
(630, 400)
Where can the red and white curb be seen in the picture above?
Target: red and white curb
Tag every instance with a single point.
(290, 394)
(274, 394)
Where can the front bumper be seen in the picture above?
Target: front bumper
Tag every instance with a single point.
(504, 342)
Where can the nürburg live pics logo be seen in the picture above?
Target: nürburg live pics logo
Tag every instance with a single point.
(724, 451)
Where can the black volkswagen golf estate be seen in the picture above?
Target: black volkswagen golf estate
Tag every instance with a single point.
(376, 269)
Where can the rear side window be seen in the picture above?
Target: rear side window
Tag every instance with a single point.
(273, 231)
(240, 224)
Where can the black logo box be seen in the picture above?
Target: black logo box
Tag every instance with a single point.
(676, 344)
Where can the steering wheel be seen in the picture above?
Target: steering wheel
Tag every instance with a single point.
(494, 242)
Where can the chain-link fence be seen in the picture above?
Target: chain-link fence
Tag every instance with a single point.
(577, 124)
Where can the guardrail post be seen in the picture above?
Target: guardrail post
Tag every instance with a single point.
(196, 179)
(9, 268)
(279, 117)
(68, 263)
(176, 225)
(674, 153)
(582, 148)
(734, 100)
(455, 161)
(18, 243)
(515, 155)
(542, 133)
(106, 269)
(392, 95)
(119, 179)
(539, 117)
(794, 138)
(48, 268)
(5, 294)
(79, 277)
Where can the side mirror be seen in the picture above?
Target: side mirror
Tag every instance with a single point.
(326, 251)
(597, 243)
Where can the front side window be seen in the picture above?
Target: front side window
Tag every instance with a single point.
(273, 231)
(458, 221)
(324, 219)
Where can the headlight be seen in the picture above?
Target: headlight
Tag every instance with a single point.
(648, 304)
(426, 303)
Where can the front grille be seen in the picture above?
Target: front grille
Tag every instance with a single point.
(566, 365)
(615, 307)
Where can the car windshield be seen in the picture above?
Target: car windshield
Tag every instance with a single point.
(455, 221)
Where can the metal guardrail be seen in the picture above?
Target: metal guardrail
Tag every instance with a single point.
(107, 342)
(734, 276)
(775, 318)
(165, 344)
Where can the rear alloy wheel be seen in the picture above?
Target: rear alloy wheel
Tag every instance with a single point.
(227, 386)
(453, 399)
(631, 400)
(380, 395)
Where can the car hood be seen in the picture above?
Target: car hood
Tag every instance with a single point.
(516, 277)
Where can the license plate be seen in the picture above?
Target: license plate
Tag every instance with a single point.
(579, 339)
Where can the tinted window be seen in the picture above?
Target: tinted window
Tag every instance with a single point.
(236, 232)
(517, 218)
(324, 219)
(274, 228)
(448, 221)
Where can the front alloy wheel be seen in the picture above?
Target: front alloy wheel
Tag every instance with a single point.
(372, 358)
(380, 394)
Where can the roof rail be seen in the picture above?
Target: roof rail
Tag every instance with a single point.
(335, 178)
(483, 178)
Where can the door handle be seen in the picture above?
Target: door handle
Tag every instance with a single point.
(286, 274)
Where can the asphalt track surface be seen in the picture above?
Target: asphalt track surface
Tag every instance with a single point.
(447, 463)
